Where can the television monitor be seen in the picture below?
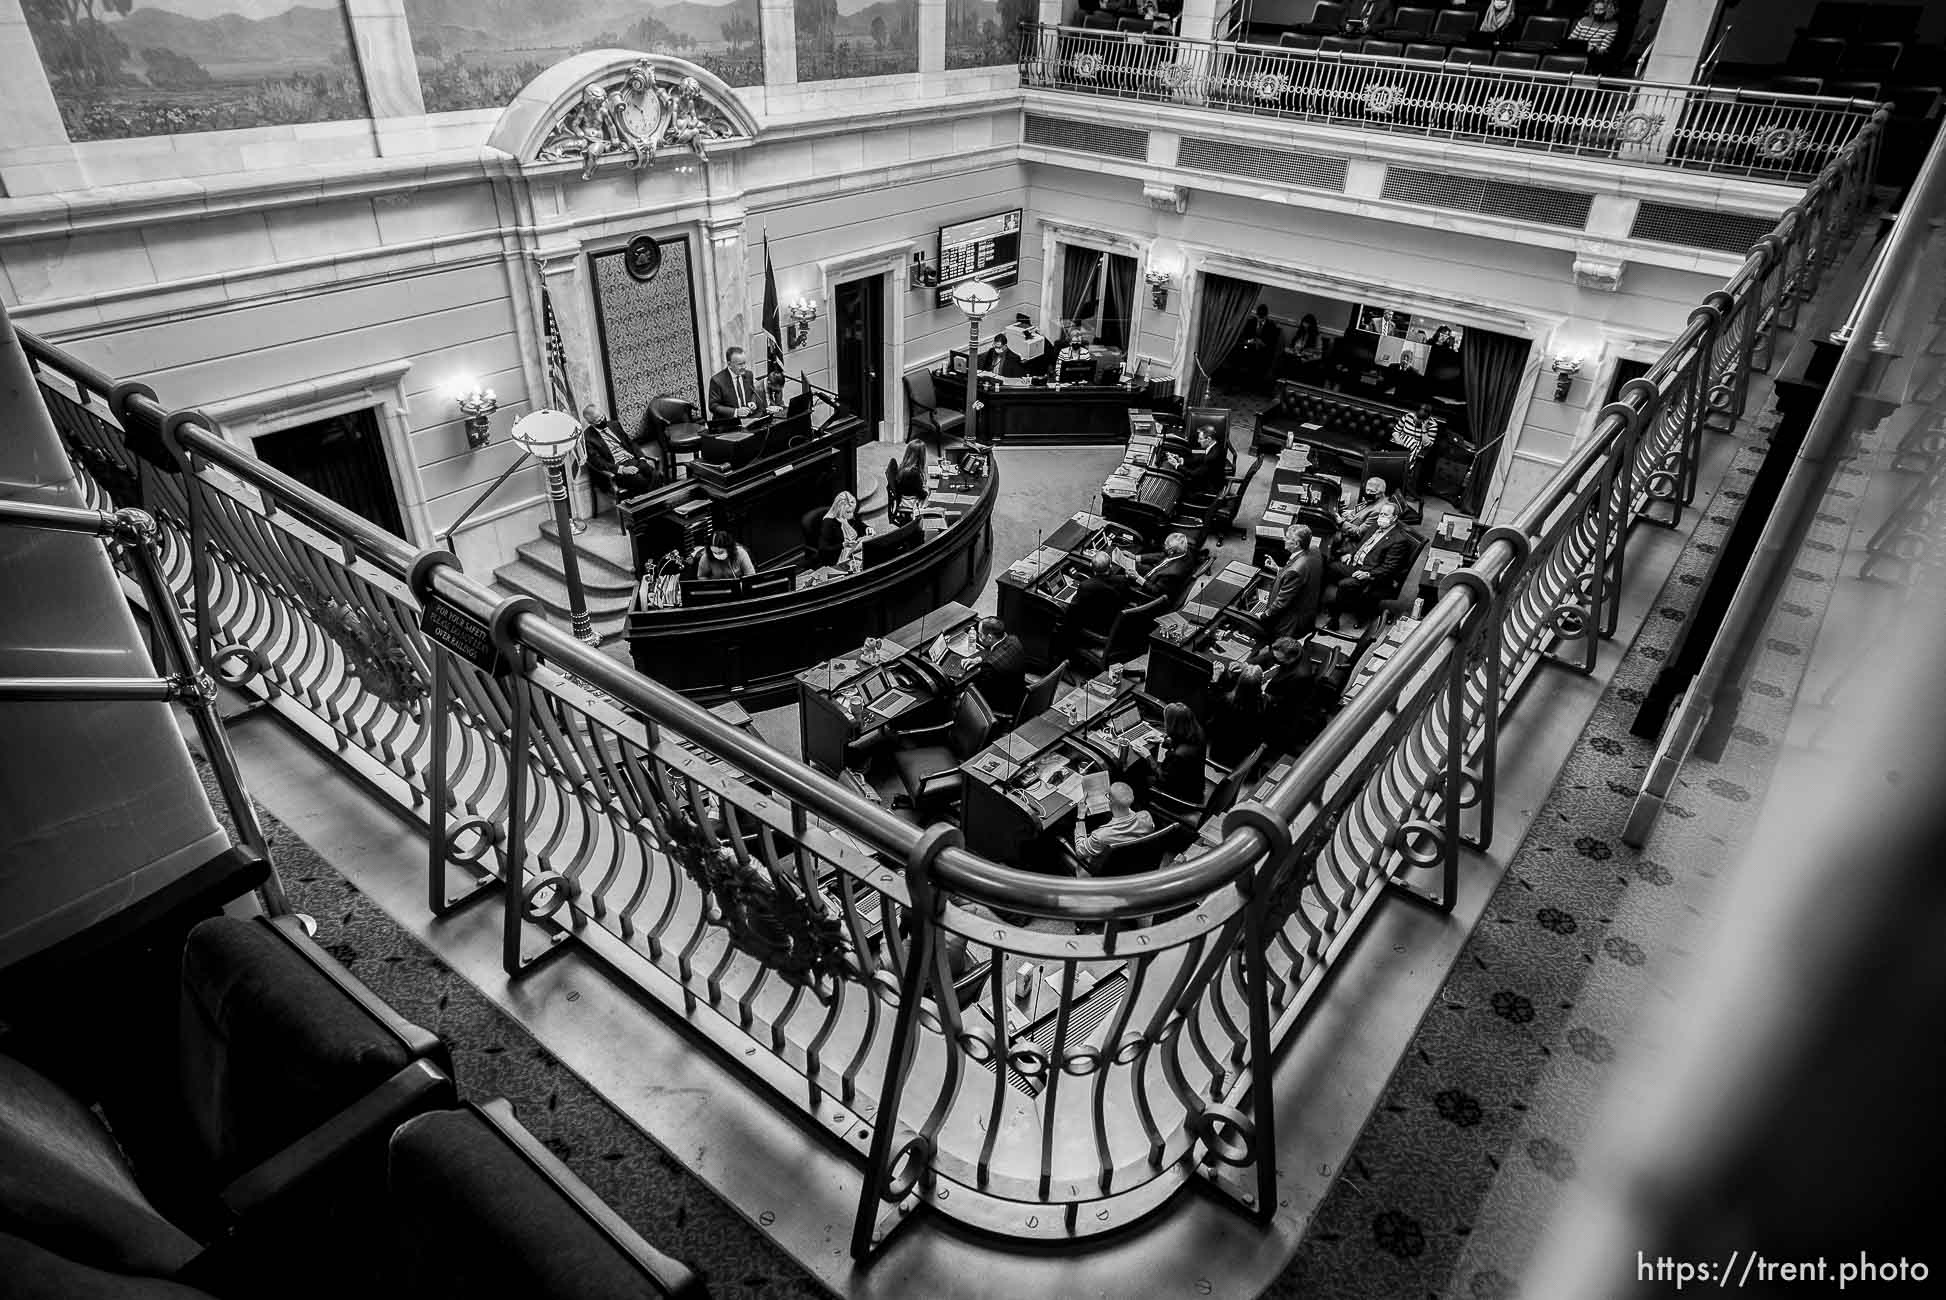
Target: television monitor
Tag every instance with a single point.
(880, 547)
(1402, 352)
(771, 582)
(986, 248)
(1076, 370)
(1435, 333)
(711, 591)
(1383, 321)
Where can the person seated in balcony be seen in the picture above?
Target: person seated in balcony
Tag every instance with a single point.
(1595, 34)
(999, 359)
(1125, 822)
(1372, 572)
(1368, 17)
(1498, 22)
(611, 453)
(724, 558)
(1168, 571)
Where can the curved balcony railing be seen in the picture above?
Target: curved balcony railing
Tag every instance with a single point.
(1707, 128)
(806, 930)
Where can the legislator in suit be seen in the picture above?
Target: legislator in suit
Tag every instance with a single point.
(999, 359)
(1373, 572)
(1003, 667)
(610, 453)
(1168, 571)
(1101, 596)
(1299, 586)
(733, 391)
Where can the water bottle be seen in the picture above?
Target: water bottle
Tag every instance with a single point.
(1419, 608)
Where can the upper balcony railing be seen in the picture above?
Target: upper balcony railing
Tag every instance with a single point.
(816, 938)
(1704, 128)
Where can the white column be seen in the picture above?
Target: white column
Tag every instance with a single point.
(932, 36)
(1198, 22)
(35, 157)
(1051, 13)
(561, 275)
(1681, 38)
(384, 46)
(730, 275)
(778, 19)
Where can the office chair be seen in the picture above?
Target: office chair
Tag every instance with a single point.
(1398, 468)
(1126, 638)
(922, 406)
(1540, 34)
(1039, 695)
(928, 758)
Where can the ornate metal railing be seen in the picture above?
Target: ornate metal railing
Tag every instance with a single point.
(809, 932)
(1709, 128)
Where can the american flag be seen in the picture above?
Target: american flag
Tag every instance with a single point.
(560, 391)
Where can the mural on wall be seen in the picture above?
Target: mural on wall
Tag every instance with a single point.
(981, 33)
(479, 53)
(856, 38)
(122, 68)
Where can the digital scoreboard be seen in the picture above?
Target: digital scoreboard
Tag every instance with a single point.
(987, 249)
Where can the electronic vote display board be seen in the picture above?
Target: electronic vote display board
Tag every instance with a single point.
(987, 249)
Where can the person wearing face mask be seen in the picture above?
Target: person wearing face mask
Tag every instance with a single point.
(1498, 22)
(723, 558)
(1596, 32)
(1373, 571)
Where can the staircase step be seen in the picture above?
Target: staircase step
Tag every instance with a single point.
(602, 540)
(597, 574)
(525, 579)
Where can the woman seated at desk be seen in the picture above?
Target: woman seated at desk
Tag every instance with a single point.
(1177, 770)
(1239, 714)
(723, 558)
(839, 535)
(905, 482)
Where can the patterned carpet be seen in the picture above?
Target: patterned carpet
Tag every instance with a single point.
(1451, 1184)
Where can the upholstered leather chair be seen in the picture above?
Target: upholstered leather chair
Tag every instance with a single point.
(928, 759)
(1127, 637)
(1134, 857)
(923, 412)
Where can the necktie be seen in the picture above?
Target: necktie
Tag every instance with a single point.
(743, 393)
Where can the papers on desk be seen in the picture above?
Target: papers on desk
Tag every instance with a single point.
(890, 703)
(952, 499)
(1030, 567)
(1094, 794)
(1233, 646)
(995, 766)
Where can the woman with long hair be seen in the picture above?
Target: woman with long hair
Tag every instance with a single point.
(839, 534)
(724, 558)
(1238, 713)
(1179, 771)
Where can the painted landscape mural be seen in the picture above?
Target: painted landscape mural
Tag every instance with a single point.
(479, 53)
(981, 33)
(856, 38)
(122, 68)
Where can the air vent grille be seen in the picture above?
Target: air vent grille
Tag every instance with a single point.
(1537, 204)
(1725, 232)
(1284, 166)
(1097, 138)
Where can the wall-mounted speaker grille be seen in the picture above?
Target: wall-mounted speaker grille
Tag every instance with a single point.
(1086, 137)
(1725, 232)
(1284, 166)
(1538, 204)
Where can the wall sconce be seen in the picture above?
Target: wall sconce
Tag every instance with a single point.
(803, 313)
(1159, 279)
(1565, 369)
(477, 405)
(923, 275)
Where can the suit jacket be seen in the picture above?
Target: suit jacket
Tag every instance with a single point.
(1003, 675)
(1387, 557)
(1097, 602)
(1166, 573)
(1293, 609)
(724, 392)
(600, 454)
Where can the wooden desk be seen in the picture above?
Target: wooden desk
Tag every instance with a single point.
(1219, 621)
(1026, 784)
(752, 650)
(1035, 589)
(1069, 415)
(842, 698)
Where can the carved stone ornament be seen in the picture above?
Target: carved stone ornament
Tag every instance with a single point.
(634, 117)
(1507, 113)
(1635, 128)
(1598, 269)
(1381, 99)
(1780, 142)
(1167, 198)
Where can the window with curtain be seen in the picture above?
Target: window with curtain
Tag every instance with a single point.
(1117, 302)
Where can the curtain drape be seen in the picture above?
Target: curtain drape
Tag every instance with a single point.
(1227, 304)
(1078, 267)
(1120, 305)
(1491, 365)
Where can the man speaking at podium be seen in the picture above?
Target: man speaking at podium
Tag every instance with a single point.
(733, 393)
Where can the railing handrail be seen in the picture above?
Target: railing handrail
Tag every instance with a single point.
(452, 530)
(1740, 94)
(962, 870)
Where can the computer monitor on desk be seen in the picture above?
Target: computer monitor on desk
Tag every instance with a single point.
(880, 547)
(711, 591)
(771, 582)
(1076, 370)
